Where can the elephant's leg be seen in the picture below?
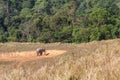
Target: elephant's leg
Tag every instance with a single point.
(37, 54)
(41, 53)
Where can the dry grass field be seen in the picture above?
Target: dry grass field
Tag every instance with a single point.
(97, 60)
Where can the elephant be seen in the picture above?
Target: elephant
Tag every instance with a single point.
(40, 51)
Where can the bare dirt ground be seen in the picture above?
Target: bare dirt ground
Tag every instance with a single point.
(28, 55)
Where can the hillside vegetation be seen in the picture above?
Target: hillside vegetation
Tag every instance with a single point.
(86, 61)
(59, 20)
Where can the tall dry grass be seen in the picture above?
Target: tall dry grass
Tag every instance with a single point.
(86, 61)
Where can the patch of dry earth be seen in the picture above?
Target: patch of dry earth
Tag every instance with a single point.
(28, 55)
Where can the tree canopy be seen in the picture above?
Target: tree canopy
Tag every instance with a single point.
(59, 20)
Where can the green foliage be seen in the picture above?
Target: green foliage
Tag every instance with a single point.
(108, 32)
(95, 34)
(3, 37)
(65, 35)
(99, 16)
(26, 13)
(81, 34)
(46, 36)
(59, 20)
(28, 3)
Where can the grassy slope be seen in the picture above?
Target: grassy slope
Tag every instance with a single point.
(86, 61)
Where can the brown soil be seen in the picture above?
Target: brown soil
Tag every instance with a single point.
(28, 55)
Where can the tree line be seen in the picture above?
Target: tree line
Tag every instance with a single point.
(59, 20)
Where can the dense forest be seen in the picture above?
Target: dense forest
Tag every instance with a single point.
(59, 20)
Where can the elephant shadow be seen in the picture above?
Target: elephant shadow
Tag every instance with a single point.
(47, 54)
